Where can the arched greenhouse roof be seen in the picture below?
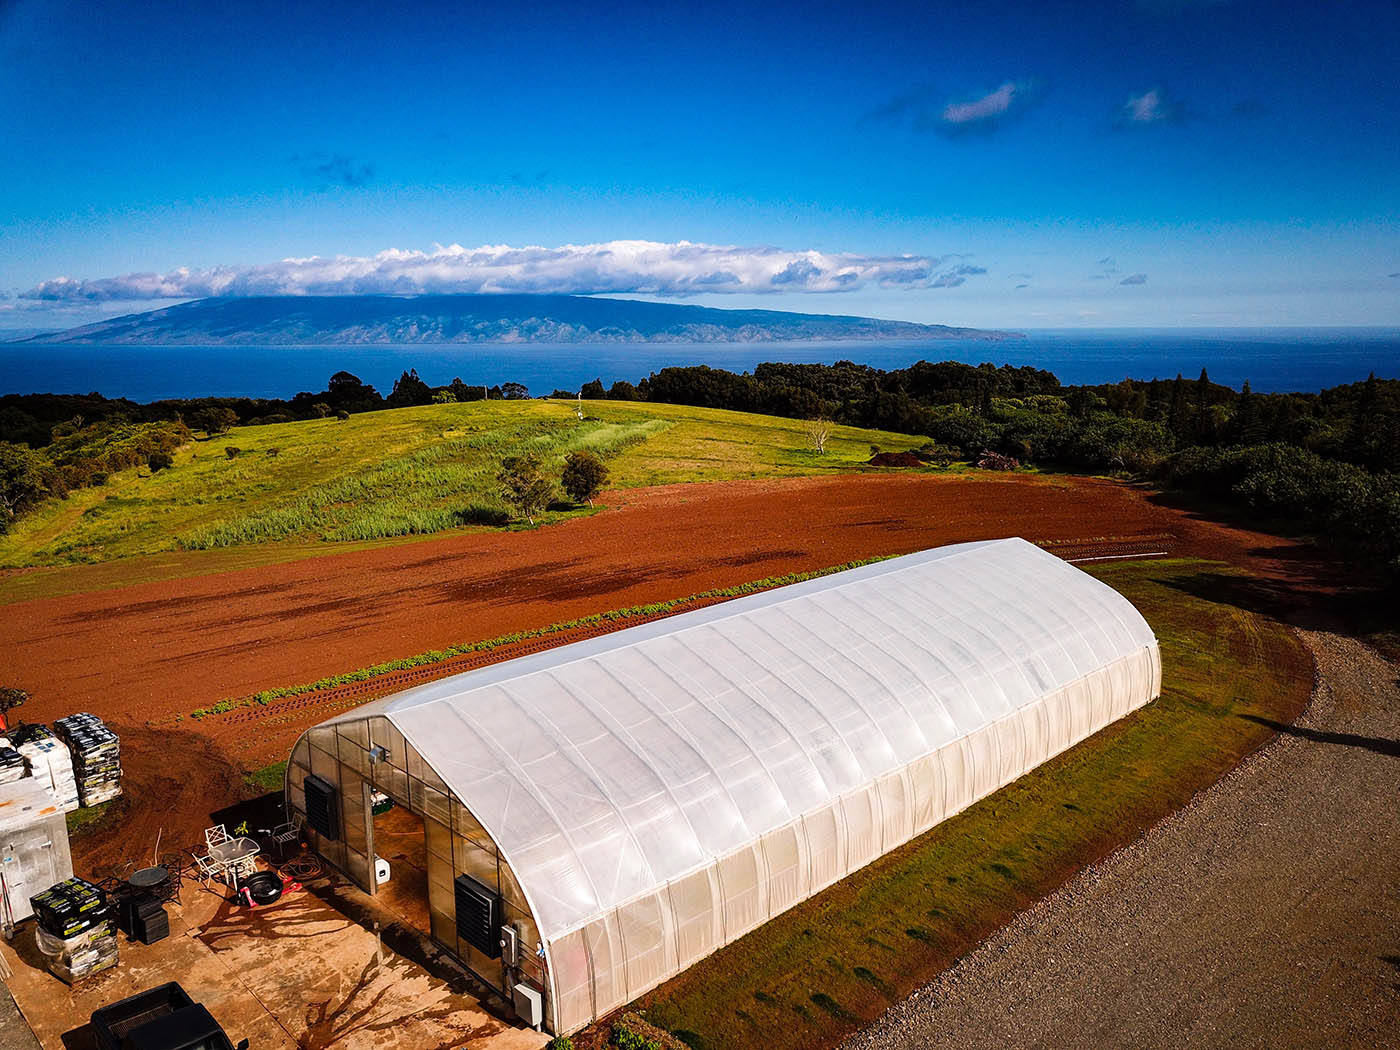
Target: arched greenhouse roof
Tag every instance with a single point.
(608, 768)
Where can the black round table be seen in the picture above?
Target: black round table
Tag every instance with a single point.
(148, 880)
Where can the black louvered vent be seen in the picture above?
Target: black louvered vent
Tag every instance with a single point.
(478, 916)
(322, 812)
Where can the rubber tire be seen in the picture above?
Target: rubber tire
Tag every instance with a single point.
(265, 887)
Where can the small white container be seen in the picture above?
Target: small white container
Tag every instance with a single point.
(381, 871)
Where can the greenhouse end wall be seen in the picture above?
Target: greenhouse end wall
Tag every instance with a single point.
(456, 843)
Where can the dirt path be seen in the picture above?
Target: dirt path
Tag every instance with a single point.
(1265, 914)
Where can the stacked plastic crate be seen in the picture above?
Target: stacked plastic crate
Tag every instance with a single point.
(12, 766)
(96, 755)
(49, 762)
(76, 931)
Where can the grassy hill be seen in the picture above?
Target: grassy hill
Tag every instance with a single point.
(408, 471)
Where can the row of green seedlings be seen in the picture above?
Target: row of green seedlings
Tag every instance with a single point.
(434, 656)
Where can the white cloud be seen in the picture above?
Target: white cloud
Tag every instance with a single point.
(650, 267)
(989, 109)
(1151, 107)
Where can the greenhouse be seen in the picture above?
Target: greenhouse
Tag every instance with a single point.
(578, 825)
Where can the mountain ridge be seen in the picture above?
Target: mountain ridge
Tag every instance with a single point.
(482, 318)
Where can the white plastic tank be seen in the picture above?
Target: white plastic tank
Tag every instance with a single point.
(381, 871)
(33, 847)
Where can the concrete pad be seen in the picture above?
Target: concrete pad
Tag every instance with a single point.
(296, 975)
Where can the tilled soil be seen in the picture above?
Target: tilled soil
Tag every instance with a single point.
(1265, 914)
(145, 656)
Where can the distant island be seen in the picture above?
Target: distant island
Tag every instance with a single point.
(360, 319)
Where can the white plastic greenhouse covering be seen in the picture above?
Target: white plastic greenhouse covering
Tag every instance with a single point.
(660, 791)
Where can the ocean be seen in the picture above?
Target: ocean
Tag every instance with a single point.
(1271, 359)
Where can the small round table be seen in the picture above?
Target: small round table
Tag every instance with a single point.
(235, 858)
(153, 880)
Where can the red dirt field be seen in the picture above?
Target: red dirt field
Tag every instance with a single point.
(144, 656)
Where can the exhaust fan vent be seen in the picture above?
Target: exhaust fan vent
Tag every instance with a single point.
(322, 809)
(478, 916)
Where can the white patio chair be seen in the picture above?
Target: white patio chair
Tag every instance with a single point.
(208, 868)
(216, 835)
(240, 869)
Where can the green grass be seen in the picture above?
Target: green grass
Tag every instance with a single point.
(88, 818)
(710, 444)
(267, 778)
(814, 974)
(404, 472)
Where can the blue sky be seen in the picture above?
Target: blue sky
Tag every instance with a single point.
(1043, 164)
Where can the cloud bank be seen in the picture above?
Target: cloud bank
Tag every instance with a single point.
(640, 267)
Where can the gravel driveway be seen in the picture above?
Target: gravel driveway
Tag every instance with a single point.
(1265, 914)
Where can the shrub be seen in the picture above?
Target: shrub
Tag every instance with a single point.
(560, 1042)
(584, 476)
(522, 486)
(232, 451)
(160, 460)
(632, 1031)
(342, 415)
(933, 452)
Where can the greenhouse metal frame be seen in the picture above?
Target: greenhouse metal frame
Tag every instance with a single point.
(637, 801)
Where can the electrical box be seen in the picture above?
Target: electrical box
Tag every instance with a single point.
(510, 946)
(529, 1004)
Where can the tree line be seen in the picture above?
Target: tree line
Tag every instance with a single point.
(1319, 462)
(1322, 463)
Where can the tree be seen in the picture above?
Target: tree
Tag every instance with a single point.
(347, 391)
(21, 481)
(321, 409)
(818, 431)
(623, 391)
(215, 420)
(515, 391)
(444, 397)
(584, 476)
(409, 390)
(593, 391)
(10, 698)
(522, 485)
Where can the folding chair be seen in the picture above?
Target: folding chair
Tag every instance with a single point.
(285, 833)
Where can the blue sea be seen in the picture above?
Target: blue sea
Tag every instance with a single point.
(1271, 359)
